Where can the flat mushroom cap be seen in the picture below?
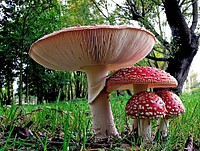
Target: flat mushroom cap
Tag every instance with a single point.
(74, 48)
(173, 103)
(126, 77)
(145, 105)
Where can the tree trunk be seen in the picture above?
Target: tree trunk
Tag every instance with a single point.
(77, 77)
(68, 92)
(20, 80)
(185, 42)
(179, 66)
(27, 83)
(8, 98)
(39, 94)
(71, 90)
(1, 94)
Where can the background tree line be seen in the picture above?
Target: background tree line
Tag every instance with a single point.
(22, 23)
(25, 21)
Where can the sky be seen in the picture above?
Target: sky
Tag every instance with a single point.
(196, 65)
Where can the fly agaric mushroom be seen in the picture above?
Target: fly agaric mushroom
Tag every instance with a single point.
(94, 50)
(139, 79)
(174, 108)
(145, 106)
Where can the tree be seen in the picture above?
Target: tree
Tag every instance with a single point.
(185, 40)
(7, 51)
(22, 23)
(178, 52)
(19, 26)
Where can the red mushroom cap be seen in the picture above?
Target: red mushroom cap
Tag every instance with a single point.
(126, 77)
(173, 103)
(145, 105)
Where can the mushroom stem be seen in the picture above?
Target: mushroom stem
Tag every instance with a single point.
(138, 88)
(144, 129)
(163, 125)
(102, 117)
(135, 125)
(96, 76)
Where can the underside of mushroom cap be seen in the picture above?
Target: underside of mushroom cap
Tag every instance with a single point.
(126, 77)
(173, 103)
(145, 105)
(75, 48)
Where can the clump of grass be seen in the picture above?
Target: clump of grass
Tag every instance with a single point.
(68, 126)
(69, 122)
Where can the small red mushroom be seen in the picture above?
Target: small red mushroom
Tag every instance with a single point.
(174, 108)
(139, 79)
(145, 106)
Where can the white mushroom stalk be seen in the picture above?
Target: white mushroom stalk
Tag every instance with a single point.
(137, 88)
(174, 108)
(94, 50)
(145, 106)
(102, 117)
(163, 124)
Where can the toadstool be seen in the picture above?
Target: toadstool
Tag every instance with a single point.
(145, 106)
(139, 78)
(174, 108)
(94, 50)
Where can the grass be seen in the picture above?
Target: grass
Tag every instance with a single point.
(46, 127)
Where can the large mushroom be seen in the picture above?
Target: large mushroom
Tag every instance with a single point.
(94, 50)
(174, 108)
(139, 78)
(144, 107)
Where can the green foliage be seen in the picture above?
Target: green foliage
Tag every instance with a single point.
(21, 24)
(80, 12)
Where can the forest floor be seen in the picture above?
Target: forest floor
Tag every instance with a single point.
(68, 126)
